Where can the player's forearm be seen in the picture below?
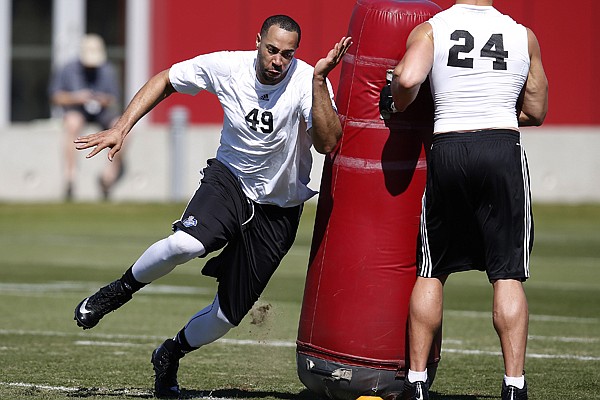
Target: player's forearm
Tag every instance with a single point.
(151, 94)
(535, 101)
(403, 96)
(326, 127)
(406, 83)
(531, 117)
(534, 105)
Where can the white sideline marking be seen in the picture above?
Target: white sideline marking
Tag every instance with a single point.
(291, 344)
(288, 344)
(108, 344)
(270, 343)
(532, 317)
(563, 357)
(240, 342)
(62, 286)
(100, 390)
(564, 339)
(529, 355)
(45, 387)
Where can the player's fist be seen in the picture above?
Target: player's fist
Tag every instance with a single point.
(386, 102)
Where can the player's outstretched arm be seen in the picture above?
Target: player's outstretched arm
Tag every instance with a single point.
(326, 128)
(153, 92)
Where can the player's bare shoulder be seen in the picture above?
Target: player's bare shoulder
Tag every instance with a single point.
(423, 31)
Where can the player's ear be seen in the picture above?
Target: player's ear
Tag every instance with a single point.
(257, 40)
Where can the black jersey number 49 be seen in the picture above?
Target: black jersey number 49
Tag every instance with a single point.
(494, 48)
(264, 123)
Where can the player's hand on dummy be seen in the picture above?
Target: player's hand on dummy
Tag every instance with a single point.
(108, 139)
(325, 65)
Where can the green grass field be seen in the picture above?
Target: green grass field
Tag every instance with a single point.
(53, 255)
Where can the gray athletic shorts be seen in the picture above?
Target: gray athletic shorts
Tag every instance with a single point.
(476, 210)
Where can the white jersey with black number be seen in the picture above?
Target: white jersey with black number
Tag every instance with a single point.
(481, 62)
(264, 140)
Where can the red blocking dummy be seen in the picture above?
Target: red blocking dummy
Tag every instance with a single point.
(352, 331)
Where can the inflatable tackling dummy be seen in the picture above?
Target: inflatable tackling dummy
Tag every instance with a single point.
(352, 331)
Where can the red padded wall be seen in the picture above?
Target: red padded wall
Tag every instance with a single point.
(184, 28)
(570, 53)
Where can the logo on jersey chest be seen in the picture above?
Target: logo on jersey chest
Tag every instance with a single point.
(264, 97)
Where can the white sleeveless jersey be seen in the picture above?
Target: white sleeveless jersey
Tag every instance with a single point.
(264, 140)
(481, 62)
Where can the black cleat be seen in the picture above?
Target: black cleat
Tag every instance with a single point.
(513, 393)
(165, 360)
(415, 391)
(91, 310)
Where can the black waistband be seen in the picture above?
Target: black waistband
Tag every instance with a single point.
(486, 134)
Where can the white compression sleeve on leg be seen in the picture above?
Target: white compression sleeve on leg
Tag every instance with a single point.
(163, 256)
(207, 325)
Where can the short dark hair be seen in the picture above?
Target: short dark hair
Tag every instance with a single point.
(282, 21)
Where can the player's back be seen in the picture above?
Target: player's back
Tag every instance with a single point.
(481, 62)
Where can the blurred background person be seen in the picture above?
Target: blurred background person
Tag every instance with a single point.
(87, 91)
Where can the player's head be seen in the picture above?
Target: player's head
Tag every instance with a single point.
(284, 22)
(276, 43)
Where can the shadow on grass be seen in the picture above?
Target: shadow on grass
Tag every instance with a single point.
(435, 396)
(303, 395)
(124, 393)
(233, 394)
(245, 394)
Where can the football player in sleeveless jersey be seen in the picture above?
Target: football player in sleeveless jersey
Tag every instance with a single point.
(487, 80)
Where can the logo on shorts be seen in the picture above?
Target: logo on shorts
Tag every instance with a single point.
(190, 221)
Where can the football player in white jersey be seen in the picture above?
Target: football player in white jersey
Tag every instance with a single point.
(250, 198)
(487, 80)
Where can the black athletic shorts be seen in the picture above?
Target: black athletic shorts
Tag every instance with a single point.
(476, 211)
(254, 238)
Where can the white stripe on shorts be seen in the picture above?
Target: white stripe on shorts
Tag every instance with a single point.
(424, 270)
(527, 211)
